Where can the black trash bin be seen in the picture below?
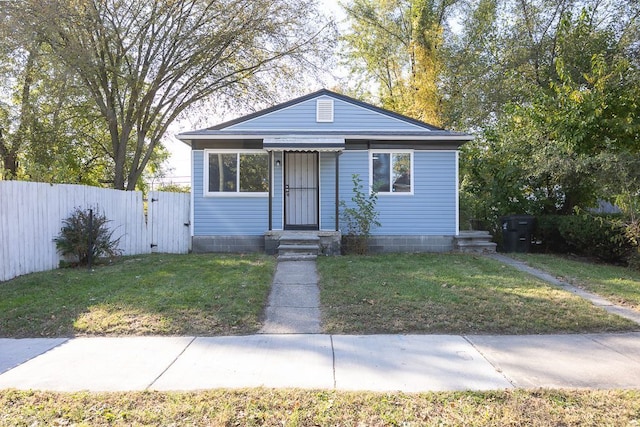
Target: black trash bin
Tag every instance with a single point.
(516, 232)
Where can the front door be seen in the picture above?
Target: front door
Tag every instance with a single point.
(301, 191)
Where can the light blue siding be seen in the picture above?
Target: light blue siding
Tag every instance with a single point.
(347, 116)
(352, 162)
(225, 216)
(328, 191)
(431, 210)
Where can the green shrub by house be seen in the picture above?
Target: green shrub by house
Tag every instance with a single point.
(359, 218)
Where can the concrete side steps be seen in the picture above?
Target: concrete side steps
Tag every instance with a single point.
(298, 247)
(475, 242)
(297, 257)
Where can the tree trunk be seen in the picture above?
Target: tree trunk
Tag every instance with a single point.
(9, 160)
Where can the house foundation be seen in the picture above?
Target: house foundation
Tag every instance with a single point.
(391, 244)
(330, 243)
(227, 244)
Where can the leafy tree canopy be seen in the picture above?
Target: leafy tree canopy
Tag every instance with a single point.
(142, 64)
(393, 46)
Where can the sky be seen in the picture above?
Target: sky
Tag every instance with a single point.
(178, 166)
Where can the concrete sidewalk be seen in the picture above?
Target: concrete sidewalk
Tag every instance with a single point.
(409, 363)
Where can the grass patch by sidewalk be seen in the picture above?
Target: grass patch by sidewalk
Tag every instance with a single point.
(620, 285)
(157, 294)
(267, 407)
(449, 293)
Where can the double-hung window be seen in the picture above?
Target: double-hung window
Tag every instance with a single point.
(391, 171)
(229, 173)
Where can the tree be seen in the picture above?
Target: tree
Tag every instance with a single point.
(17, 66)
(573, 104)
(145, 63)
(393, 45)
(49, 127)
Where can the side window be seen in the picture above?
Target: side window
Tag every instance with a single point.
(391, 172)
(230, 173)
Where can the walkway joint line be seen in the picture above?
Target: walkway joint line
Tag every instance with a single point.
(170, 364)
(333, 356)
(496, 368)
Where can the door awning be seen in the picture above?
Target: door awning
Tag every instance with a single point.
(303, 144)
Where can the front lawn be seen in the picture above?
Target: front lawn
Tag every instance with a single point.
(449, 294)
(620, 285)
(266, 407)
(209, 295)
(156, 294)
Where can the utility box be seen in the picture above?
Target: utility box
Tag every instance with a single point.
(516, 232)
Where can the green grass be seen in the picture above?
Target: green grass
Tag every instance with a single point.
(449, 293)
(225, 295)
(266, 407)
(620, 285)
(156, 294)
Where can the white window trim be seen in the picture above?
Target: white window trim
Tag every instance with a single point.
(237, 193)
(391, 193)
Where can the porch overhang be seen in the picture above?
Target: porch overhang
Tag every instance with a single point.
(303, 144)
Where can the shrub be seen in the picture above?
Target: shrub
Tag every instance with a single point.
(73, 239)
(547, 234)
(599, 236)
(359, 218)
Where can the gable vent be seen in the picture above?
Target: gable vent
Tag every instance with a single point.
(324, 110)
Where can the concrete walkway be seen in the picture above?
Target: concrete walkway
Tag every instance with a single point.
(294, 301)
(409, 363)
(596, 300)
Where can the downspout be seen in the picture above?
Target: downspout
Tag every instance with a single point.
(270, 190)
(457, 192)
(337, 190)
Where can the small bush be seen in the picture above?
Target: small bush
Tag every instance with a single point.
(73, 239)
(359, 218)
(599, 236)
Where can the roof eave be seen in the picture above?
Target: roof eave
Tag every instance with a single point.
(187, 138)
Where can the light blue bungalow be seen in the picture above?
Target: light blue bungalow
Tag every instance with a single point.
(287, 168)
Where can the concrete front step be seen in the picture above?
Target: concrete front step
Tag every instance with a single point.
(302, 240)
(298, 247)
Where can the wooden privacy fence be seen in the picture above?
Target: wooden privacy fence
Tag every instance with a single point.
(31, 216)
